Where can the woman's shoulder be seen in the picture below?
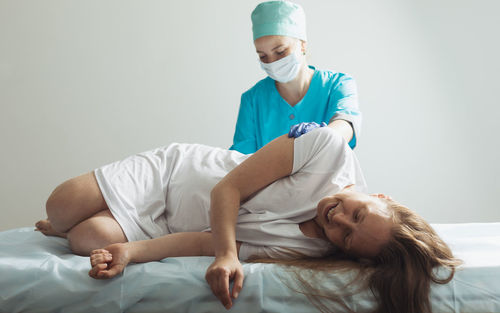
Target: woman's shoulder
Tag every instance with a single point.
(319, 141)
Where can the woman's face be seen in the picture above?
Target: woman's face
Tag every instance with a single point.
(273, 48)
(355, 222)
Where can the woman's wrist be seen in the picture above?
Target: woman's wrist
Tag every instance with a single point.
(226, 247)
(134, 251)
(227, 254)
(231, 252)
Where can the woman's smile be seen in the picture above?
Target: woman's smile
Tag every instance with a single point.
(330, 211)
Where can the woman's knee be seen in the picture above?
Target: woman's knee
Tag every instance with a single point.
(74, 200)
(96, 232)
(59, 202)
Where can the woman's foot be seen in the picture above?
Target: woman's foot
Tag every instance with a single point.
(45, 228)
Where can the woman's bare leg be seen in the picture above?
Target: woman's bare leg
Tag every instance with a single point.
(77, 211)
(73, 201)
(45, 227)
(95, 232)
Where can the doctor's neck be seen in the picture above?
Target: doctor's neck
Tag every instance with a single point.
(294, 90)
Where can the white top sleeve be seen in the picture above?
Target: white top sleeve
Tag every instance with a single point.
(249, 251)
(320, 151)
(323, 164)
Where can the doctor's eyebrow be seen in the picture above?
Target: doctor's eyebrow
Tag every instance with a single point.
(277, 47)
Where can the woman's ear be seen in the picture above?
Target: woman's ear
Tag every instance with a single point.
(381, 196)
(348, 188)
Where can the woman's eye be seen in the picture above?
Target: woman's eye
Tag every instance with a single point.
(345, 237)
(347, 233)
(280, 52)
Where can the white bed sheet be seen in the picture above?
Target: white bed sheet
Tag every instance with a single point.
(39, 274)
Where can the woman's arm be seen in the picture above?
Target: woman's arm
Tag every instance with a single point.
(110, 261)
(172, 245)
(343, 127)
(272, 162)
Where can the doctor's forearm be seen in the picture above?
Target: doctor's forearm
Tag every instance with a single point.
(343, 127)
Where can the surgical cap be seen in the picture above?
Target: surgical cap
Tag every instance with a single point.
(282, 18)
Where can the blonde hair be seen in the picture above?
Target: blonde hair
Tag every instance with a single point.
(399, 276)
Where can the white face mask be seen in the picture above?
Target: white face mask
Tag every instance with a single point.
(285, 69)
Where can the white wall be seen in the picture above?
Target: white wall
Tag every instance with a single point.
(84, 83)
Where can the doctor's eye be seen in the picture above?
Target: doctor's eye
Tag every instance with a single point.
(283, 52)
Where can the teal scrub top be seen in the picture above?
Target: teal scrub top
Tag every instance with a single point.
(265, 115)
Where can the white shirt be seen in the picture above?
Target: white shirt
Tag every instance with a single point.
(177, 180)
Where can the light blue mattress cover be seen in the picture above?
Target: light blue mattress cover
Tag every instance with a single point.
(39, 274)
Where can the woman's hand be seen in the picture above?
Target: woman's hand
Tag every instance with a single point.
(109, 262)
(218, 276)
(272, 162)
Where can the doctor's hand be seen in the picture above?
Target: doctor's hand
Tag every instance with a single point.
(218, 276)
(300, 129)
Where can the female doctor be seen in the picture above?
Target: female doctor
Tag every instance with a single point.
(295, 97)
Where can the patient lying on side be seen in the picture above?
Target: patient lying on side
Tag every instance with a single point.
(294, 198)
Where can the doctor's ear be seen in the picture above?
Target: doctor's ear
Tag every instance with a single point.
(303, 46)
(381, 196)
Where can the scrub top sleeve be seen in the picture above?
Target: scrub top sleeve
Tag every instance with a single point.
(244, 139)
(344, 105)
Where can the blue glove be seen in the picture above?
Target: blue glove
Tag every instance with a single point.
(300, 129)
